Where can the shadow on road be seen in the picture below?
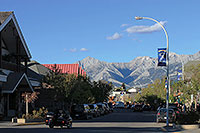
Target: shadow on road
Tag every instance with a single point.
(81, 129)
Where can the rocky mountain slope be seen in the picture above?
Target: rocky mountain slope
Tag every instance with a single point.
(139, 72)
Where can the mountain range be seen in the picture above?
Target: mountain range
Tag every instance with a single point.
(139, 72)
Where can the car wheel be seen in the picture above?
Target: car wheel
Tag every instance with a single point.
(51, 125)
(69, 126)
(87, 117)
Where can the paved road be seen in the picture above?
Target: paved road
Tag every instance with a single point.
(120, 121)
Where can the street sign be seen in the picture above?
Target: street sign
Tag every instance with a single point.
(179, 74)
(162, 54)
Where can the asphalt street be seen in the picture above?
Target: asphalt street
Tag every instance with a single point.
(120, 121)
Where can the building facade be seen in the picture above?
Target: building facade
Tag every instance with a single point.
(15, 77)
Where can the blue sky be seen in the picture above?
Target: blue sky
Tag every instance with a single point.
(66, 31)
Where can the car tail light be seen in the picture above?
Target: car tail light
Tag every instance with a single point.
(63, 122)
(158, 113)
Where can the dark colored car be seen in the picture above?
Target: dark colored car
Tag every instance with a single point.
(107, 108)
(162, 115)
(94, 110)
(119, 105)
(102, 108)
(110, 106)
(137, 108)
(81, 111)
(146, 107)
(177, 111)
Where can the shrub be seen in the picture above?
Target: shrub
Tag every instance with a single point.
(29, 116)
(188, 118)
(40, 114)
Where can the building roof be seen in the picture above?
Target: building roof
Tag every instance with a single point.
(8, 22)
(38, 68)
(14, 80)
(4, 16)
(67, 68)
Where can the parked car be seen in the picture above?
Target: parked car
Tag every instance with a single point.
(1, 111)
(107, 108)
(110, 106)
(146, 107)
(119, 105)
(162, 115)
(137, 108)
(94, 110)
(101, 108)
(81, 111)
(177, 111)
(129, 106)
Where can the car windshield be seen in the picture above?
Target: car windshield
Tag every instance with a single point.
(110, 105)
(100, 106)
(165, 110)
(138, 105)
(91, 106)
(77, 108)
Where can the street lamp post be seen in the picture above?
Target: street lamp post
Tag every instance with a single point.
(167, 63)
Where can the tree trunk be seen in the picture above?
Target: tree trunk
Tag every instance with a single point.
(26, 104)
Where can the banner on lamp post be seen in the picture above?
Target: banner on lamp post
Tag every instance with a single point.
(162, 54)
(179, 74)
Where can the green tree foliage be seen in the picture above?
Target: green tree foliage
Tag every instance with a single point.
(56, 80)
(192, 83)
(195, 79)
(100, 90)
(177, 92)
(154, 94)
(79, 89)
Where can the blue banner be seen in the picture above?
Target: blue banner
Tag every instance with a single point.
(179, 74)
(162, 54)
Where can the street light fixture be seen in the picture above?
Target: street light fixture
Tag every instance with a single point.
(167, 64)
(138, 18)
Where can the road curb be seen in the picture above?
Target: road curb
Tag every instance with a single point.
(32, 123)
(189, 127)
(170, 129)
(163, 129)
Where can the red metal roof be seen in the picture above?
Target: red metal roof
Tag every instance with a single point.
(68, 68)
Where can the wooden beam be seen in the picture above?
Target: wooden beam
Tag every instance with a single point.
(26, 67)
(17, 54)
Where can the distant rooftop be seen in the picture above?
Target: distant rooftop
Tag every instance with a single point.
(67, 68)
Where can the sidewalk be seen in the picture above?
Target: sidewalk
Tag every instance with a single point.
(178, 128)
(9, 123)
